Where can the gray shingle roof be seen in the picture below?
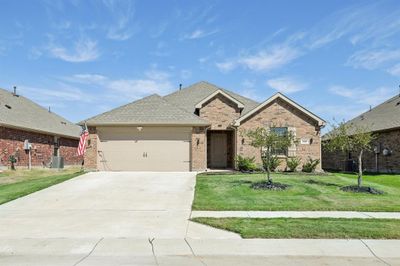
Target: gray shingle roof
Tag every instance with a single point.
(20, 112)
(382, 117)
(188, 97)
(149, 110)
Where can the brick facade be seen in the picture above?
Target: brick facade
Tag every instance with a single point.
(12, 143)
(220, 112)
(373, 163)
(281, 114)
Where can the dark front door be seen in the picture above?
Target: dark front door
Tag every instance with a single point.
(218, 150)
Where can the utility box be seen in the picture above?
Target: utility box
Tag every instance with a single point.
(57, 162)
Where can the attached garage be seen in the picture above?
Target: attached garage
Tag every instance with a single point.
(144, 148)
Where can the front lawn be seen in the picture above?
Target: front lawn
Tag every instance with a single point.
(15, 184)
(307, 227)
(306, 192)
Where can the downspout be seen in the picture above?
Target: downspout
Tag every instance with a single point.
(235, 126)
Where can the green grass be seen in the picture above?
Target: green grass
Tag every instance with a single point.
(307, 227)
(233, 192)
(15, 184)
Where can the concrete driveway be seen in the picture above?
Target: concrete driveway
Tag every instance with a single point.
(104, 204)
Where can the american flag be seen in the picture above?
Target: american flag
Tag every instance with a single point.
(82, 141)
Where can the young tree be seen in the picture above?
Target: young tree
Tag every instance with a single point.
(348, 137)
(269, 141)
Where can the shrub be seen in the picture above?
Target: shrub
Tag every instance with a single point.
(310, 165)
(273, 162)
(246, 163)
(12, 160)
(292, 163)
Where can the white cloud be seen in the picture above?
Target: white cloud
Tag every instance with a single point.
(271, 58)
(60, 93)
(226, 66)
(198, 34)
(372, 59)
(154, 81)
(394, 70)
(363, 96)
(286, 85)
(122, 12)
(84, 50)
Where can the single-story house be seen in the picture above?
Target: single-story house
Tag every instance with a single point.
(194, 129)
(384, 121)
(50, 135)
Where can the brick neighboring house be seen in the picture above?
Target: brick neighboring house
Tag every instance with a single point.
(50, 135)
(193, 129)
(384, 121)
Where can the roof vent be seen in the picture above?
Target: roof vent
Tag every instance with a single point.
(15, 91)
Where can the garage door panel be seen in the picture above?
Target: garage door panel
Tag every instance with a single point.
(152, 149)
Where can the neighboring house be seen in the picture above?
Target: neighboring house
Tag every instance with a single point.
(50, 135)
(384, 121)
(193, 129)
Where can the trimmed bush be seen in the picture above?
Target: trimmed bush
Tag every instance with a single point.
(246, 163)
(273, 162)
(310, 165)
(292, 163)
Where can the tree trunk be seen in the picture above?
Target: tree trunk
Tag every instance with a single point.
(268, 168)
(359, 180)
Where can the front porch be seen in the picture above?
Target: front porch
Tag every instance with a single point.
(220, 149)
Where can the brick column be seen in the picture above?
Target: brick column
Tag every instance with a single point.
(91, 150)
(199, 149)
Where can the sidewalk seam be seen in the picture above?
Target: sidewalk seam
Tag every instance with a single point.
(153, 251)
(85, 257)
(191, 249)
(373, 253)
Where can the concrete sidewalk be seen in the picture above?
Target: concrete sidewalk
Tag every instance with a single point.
(132, 251)
(296, 214)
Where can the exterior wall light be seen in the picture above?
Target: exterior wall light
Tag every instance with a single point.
(386, 152)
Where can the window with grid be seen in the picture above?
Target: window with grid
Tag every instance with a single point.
(281, 131)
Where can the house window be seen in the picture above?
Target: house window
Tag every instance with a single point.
(281, 131)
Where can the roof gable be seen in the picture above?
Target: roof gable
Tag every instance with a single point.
(215, 93)
(151, 110)
(189, 97)
(279, 95)
(20, 112)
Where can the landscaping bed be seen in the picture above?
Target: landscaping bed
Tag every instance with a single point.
(305, 192)
(321, 228)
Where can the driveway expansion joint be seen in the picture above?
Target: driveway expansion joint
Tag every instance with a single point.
(151, 240)
(191, 249)
(91, 251)
(373, 253)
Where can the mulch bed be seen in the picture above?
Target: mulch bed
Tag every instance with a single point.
(269, 186)
(368, 190)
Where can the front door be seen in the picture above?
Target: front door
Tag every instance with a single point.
(218, 147)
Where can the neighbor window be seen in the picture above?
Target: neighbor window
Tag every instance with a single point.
(281, 131)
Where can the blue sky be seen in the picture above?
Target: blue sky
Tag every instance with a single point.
(85, 57)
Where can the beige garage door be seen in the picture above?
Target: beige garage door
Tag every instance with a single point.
(151, 149)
